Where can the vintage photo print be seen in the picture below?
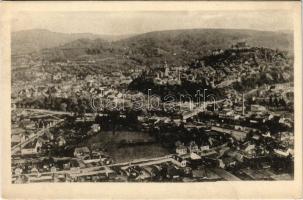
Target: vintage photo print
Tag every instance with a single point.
(151, 99)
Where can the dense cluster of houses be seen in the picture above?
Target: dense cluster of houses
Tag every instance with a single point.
(239, 132)
(38, 136)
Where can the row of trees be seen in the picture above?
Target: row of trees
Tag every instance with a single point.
(75, 105)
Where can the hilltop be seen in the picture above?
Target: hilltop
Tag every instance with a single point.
(177, 47)
(34, 40)
(174, 45)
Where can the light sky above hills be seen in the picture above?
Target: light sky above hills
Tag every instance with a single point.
(117, 23)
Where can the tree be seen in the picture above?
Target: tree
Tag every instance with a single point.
(63, 107)
(178, 143)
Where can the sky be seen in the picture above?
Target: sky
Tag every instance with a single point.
(117, 23)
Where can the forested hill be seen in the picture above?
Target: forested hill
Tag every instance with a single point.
(177, 47)
(181, 45)
(201, 40)
(34, 40)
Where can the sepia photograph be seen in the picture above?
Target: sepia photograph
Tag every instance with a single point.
(163, 96)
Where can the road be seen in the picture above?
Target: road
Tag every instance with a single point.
(89, 171)
(47, 111)
(104, 169)
(15, 148)
(226, 83)
(199, 109)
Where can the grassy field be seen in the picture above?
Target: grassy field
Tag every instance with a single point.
(111, 143)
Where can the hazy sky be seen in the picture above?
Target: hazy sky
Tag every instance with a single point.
(139, 22)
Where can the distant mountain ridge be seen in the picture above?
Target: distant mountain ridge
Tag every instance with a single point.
(270, 39)
(177, 46)
(174, 46)
(34, 40)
